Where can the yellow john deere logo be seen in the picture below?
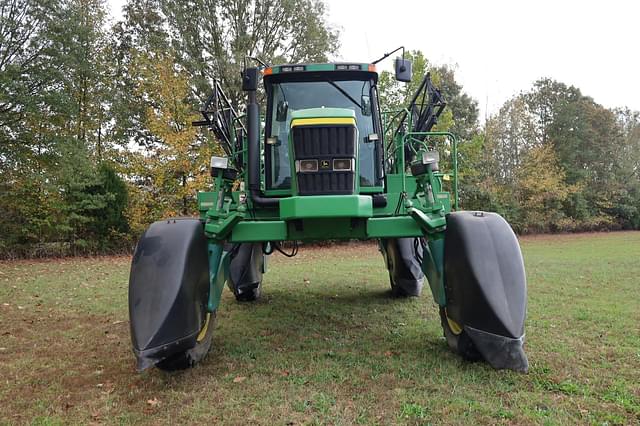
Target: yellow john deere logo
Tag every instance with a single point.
(324, 164)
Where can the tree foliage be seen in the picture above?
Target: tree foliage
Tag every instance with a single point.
(95, 121)
(96, 141)
(168, 173)
(213, 38)
(589, 150)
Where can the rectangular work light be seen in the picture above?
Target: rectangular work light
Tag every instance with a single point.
(306, 166)
(221, 164)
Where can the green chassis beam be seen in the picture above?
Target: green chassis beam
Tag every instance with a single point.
(379, 227)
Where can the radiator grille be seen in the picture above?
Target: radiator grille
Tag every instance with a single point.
(325, 143)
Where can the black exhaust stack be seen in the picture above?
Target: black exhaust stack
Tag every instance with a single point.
(250, 85)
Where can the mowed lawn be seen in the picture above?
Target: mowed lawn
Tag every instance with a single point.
(327, 345)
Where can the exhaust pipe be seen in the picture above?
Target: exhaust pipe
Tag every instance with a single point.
(249, 85)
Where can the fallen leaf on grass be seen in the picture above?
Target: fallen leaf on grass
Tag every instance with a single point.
(239, 379)
(153, 402)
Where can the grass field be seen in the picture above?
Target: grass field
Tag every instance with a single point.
(327, 345)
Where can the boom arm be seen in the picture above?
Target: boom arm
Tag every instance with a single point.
(220, 116)
(425, 107)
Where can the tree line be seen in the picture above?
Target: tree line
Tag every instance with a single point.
(96, 140)
(550, 160)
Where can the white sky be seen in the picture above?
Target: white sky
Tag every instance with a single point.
(500, 48)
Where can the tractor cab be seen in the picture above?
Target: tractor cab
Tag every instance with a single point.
(322, 129)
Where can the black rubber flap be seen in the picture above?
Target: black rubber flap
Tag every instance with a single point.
(484, 274)
(168, 289)
(499, 351)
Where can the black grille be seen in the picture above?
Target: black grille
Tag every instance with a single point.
(325, 143)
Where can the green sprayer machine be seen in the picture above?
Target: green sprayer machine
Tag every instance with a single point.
(321, 161)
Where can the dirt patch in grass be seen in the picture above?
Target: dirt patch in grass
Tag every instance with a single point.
(59, 362)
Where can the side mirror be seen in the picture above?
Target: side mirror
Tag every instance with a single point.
(281, 111)
(250, 79)
(403, 70)
(365, 105)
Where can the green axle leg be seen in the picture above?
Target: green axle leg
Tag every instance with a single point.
(218, 274)
(433, 268)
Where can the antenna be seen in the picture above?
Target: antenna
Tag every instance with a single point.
(386, 55)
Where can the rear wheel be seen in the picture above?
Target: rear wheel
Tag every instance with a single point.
(245, 271)
(397, 290)
(405, 272)
(457, 339)
(191, 357)
(245, 293)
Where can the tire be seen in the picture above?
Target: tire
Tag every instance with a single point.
(397, 291)
(405, 273)
(457, 339)
(191, 357)
(245, 271)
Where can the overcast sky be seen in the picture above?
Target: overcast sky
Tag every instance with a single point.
(500, 48)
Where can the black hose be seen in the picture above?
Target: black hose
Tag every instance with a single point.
(294, 250)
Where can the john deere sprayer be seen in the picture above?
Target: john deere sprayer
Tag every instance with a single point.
(319, 160)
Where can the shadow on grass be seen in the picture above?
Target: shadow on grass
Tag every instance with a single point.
(307, 328)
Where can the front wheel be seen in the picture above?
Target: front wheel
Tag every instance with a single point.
(191, 357)
(245, 293)
(457, 339)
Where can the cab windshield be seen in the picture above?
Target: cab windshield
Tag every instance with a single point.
(351, 94)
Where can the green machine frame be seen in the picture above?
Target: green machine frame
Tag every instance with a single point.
(472, 260)
(416, 207)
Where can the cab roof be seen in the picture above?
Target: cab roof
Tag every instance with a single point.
(305, 68)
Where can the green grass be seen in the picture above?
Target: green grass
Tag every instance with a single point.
(326, 345)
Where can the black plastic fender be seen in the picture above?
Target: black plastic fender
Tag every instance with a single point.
(485, 286)
(245, 270)
(405, 271)
(168, 289)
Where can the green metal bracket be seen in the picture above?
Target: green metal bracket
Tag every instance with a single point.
(427, 223)
(219, 229)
